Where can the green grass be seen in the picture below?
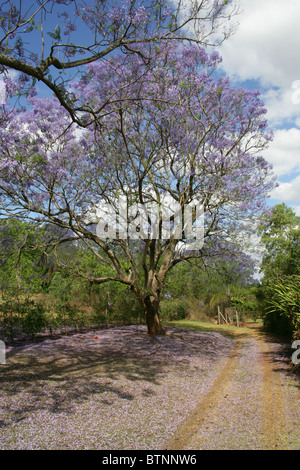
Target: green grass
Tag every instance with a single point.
(226, 330)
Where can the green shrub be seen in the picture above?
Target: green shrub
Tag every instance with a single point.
(34, 318)
(282, 306)
(173, 309)
(71, 315)
(10, 311)
(127, 308)
(274, 322)
(21, 316)
(181, 310)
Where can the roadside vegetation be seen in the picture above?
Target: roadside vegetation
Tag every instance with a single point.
(38, 297)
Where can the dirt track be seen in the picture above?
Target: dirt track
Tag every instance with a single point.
(237, 406)
(121, 389)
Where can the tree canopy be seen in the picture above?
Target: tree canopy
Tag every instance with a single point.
(173, 135)
(49, 42)
(281, 242)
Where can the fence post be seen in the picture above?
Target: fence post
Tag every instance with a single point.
(221, 315)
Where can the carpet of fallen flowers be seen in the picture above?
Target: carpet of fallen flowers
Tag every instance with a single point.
(116, 388)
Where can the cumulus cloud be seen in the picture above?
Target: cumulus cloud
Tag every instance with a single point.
(282, 107)
(265, 52)
(284, 154)
(266, 45)
(288, 191)
(284, 151)
(296, 209)
(266, 48)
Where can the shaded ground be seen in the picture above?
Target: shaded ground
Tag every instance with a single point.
(121, 389)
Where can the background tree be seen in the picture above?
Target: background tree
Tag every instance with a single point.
(22, 269)
(279, 290)
(186, 138)
(280, 237)
(49, 42)
(195, 288)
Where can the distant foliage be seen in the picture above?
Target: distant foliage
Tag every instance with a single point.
(173, 309)
(21, 316)
(34, 319)
(278, 295)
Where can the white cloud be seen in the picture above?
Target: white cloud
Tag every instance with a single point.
(296, 210)
(266, 45)
(284, 151)
(281, 108)
(288, 191)
(265, 49)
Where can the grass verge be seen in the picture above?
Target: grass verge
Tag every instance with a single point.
(226, 330)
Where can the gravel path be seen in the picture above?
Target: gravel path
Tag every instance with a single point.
(253, 405)
(121, 389)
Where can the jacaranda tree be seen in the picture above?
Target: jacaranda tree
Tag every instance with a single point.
(48, 42)
(178, 146)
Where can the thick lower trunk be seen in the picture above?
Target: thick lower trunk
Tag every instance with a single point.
(152, 317)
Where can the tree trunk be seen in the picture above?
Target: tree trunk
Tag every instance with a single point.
(152, 317)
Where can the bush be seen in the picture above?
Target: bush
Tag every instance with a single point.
(173, 309)
(282, 306)
(128, 309)
(10, 311)
(279, 324)
(21, 316)
(34, 318)
(71, 315)
(115, 305)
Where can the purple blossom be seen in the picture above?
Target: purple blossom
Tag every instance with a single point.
(191, 143)
(82, 413)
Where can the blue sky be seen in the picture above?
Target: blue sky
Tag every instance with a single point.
(265, 53)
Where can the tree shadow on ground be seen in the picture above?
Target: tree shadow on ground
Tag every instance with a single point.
(58, 385)
(57, 376)
(279, 354)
